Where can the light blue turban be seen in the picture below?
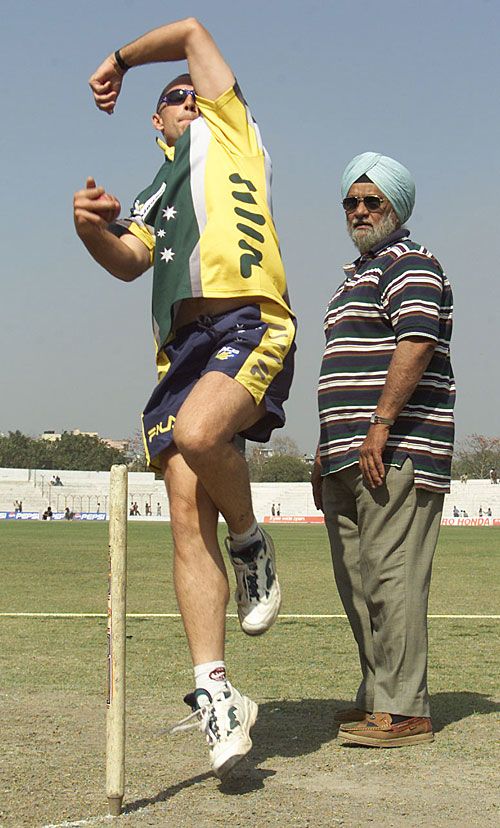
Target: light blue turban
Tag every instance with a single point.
(395, 181)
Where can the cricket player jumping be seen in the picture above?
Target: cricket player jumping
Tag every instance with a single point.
(224, 337)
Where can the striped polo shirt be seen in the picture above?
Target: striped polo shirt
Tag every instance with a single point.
(207, 215)
(396, 290)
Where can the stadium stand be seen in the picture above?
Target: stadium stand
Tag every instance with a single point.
(80, 491)
(83, 491)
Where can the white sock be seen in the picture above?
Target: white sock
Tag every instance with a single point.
(210, 676)
(239, 542)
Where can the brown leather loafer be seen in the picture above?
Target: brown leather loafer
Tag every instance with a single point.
(350, 714)
(378, 730)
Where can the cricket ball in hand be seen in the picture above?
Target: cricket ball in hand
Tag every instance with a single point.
(112, 211)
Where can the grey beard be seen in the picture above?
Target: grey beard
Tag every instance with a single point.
(370, 238)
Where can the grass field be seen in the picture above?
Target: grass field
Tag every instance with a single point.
(52, 688)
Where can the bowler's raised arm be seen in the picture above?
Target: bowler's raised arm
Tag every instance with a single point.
(183, 40)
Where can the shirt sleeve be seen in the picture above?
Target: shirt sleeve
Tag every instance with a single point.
(141, 221)
(411, 294)
(230, 121)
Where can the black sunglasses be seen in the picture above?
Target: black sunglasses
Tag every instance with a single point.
(371, 202)
(177, 96)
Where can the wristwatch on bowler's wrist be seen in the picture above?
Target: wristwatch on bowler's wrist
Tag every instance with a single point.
(375, 419)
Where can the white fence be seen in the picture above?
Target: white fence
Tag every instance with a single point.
(88, 493)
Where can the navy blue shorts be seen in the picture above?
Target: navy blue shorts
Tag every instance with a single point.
(253, 345)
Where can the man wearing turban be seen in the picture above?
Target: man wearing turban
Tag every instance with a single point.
(386, 396)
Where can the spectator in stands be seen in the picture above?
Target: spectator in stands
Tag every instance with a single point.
(493, 476)
(388, 328)
(464, 478)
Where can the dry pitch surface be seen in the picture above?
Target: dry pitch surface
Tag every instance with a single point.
(52, 711)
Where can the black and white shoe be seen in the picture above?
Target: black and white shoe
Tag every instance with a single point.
(258, 593)
(226, 720)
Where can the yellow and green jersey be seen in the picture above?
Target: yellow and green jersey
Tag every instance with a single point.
(207, 216)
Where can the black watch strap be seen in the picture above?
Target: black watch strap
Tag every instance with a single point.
(121, 63)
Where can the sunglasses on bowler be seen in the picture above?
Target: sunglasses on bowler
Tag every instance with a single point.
(371, 202)
(177, 96)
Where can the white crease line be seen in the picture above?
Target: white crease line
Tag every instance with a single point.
(495, 617)
(80, 822)
(296, 616)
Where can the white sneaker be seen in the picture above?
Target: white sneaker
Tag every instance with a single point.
(258, 593)
(226, 721)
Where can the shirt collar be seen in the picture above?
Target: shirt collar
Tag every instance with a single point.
(392, 238)
(169, 151)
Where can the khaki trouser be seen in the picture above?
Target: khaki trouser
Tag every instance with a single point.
(382, 543)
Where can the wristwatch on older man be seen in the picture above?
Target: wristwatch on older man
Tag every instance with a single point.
(375, 419)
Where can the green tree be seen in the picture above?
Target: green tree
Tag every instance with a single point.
(72, 451)
(476, 455)
(284, 469)
(85, 452)
(18, 451)
(280, 461)
(255, 460)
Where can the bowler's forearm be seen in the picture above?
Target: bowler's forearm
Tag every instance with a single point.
(114, 255)
(184, 39)
(170, 42)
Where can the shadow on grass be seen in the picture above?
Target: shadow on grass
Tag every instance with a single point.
(296, 728)
(284, 728)
(454, 706)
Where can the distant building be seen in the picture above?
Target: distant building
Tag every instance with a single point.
(263, 451)
(51, 436)
(121, 445)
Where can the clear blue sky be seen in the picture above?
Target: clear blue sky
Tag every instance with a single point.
(325, 81)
